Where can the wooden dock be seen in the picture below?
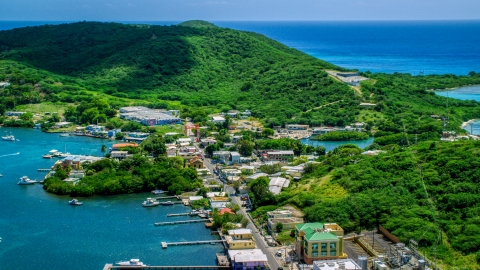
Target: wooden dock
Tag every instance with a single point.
(167, 197)
(180, 222)
(165, 244)
(181, 214)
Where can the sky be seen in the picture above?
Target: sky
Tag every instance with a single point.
(237, 10)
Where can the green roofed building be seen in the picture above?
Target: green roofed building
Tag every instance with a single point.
(319, 241)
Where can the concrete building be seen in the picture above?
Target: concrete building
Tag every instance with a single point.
(235, 157)
(283, 216)
(196, 163)
(344, 264)
(319, 241)
(248, 169)
(277, 183)
(149, 117)
(222, 156)
(218, 202)
(280, 155)
(218, 119)
(254, 177)
(296, 127)
(240, 239)
(118, 154)
(248, 259)
(207, 141)
(137, 137)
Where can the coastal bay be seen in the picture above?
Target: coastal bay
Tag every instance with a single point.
(37, 226)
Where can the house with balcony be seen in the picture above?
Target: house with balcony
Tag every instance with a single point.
(120, 155)
(319, 241)
(240, 239)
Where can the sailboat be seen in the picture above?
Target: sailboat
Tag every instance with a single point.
(65, 153)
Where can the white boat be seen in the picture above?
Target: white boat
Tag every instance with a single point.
(64, 135)
(158, 191)
(132, 262)
(75, 202)
(150, 202)
(63, 155)
(167, 203)
(8, 138)
(47, 156)
(1, 175)
(25, 181)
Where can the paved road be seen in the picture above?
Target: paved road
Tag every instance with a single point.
(260, 242)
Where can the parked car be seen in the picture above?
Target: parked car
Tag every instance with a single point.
(279, 253)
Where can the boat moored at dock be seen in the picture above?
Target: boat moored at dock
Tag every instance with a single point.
(24, 180)
(158, 191)
(132, 262)
(150, 202)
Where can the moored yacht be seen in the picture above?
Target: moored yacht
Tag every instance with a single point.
(132, 262)
(25, 181)
(150, 202)
(167, 203)
(47, 156)
(158, 191)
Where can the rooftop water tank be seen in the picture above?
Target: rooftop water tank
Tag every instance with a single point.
(363, 262)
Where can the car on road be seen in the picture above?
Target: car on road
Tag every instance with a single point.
(279, 253)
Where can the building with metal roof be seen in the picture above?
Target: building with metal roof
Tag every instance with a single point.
(319, 241)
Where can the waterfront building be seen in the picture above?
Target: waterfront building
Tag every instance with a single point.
(240, 239)
(296, 127)
(248, 259)
(319, 241)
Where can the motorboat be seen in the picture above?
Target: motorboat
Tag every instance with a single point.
(64, 135)
(8, 138)
(150, 202)
(25, 181)
(75, 202)
(54, 153)
(132, 262)
(158, 191)
(47, 156)
(1, 175)
(167, 203)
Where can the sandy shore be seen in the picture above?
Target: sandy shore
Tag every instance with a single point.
(464, 124)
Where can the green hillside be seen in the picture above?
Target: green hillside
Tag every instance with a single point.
(199, 66)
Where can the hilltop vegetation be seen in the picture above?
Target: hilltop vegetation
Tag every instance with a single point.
(208, 67)
(428, 192)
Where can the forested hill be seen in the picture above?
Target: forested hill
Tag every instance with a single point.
(195, 62)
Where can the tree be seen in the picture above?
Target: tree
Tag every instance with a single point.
(104, 148)
(320, 150)
(267, 132)
(245, 148)
(244, 222)
(279, 227)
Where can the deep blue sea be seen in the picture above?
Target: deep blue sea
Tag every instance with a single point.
(431, 47)
(42, 231)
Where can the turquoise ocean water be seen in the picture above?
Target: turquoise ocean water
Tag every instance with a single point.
(41, 231)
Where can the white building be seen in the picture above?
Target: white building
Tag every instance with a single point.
(344, 264)
(218, 120)
(277, 183)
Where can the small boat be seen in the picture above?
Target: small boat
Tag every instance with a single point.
(8, 138)
(150, 202)
(47, 156)
(167, 203)
(158, 191)
(1, 175)
(213, 243)
(64, 135)
(75, 202)
(132, 262)
(25, 181)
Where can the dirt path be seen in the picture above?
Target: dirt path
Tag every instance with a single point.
(316, 108)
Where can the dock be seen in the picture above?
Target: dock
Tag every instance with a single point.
(165, 244)
(44, 170)
(167, 197)
(110, 266)
(222, 260)
(181, 214)
(180, 222)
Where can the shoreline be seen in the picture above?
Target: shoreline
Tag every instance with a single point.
(464, 124)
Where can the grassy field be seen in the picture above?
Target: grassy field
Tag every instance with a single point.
(42, 108)
(170, 128)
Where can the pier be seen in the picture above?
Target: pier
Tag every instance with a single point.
(167, 197)
(44, 170)
(180, 222)
(181, 214)
(110, 266)
(165, 244)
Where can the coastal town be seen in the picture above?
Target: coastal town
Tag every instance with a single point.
(226, 176)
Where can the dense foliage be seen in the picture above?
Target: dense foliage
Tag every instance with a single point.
(428, 192)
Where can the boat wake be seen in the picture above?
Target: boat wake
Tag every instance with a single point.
(14, 154)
